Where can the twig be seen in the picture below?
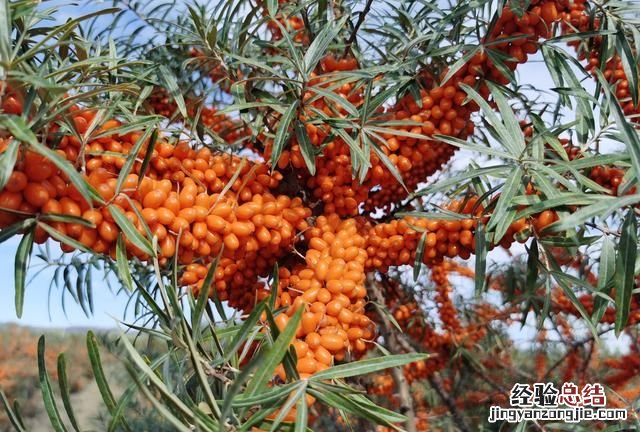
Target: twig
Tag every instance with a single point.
(361, 17)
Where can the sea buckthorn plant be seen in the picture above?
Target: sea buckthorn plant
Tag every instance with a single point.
(331, 214)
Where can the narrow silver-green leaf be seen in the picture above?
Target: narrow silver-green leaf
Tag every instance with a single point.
(47, 392)
(282, 133)
(131, 158)
(274, 354)
(367, 366)
(417, 265)
(169, 81)
(14, 417)
(601, 209)
(500, 219)
(481, 258)
(130, 231)
(292, 400)
(23, 255)
(306, 147)
(625, 269)
(318, 47)
(8, 159)
(606, 270)
(122, 263)
(63, 384)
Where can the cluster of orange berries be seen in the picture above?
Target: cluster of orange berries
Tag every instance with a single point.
(330, 288)
(230, 130)
(441, 110)
(333, 182)
(394, 243)
(181, 199)
(561, 303)
(609, 177)
(215, 69)
(624, 368)
(161, 103)
(292, 23)
(11, 100)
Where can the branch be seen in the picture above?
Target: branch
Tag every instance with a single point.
(406, 401)
(398, 342)
(361, 17)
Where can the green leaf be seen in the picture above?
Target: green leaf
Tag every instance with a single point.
(367, 366)
(16, 228)
(247, 327)
(417, 265)
(13, 415)
(358, 406)
(47, 392)
(162, 407)
(387, 162)
(293, 399)
(131, 232)
(273, 356)
(282, 134)
(481, 258)
(147, 157)
(628, 133)
(606, 270)
(131, 158)
(302, 415)
(272, 7)
(169, 81)
(468, 145)
(267, 397)
(458, 179)
(8, 159)
(122, 263)
(63, 384)
(601, 209)
(63, 238)
(203, 297)
(99, 375)
(332, 96)
(23, 256)
(318, 47)
(510, 131)
(307, 149)
(532, 267)
(502, 215)
(5, 31)
(462, 61)
(625, 274)
(564, 280)
(54, 217)
(629, 64)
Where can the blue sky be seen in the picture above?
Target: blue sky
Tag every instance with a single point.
(38, 311)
